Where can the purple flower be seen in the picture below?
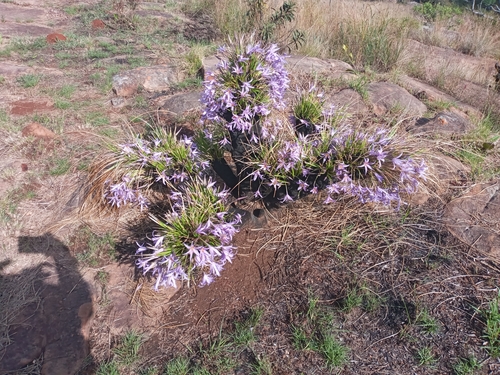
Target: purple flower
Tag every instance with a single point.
(366, 165)
(237, 69)
(328, 200)
(192, 251)
(302, 185)
(207, 279)
(245, 88)
(274, 183)
(140, 248)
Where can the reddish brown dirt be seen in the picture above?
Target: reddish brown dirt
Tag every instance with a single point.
(29, 107)
(98, 24)
(236, 289)
(38, 131)
(55, 37)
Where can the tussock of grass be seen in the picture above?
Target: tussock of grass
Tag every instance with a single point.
(491, 315)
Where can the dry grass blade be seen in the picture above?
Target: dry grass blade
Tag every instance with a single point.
(110, 167)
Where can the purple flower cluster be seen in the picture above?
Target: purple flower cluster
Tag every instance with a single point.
(343, 161)
(165, 154)
(249, 82)
(195, 237)
(121, 194)
(164, 158)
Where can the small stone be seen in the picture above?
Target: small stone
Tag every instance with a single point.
(98, 24)
(38, 131)
(24, 167)
(55, 37)
(179, 104)
(152, 79)
(118, 102)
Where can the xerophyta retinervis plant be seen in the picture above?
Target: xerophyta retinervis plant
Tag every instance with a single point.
(279, 154)
(285, 159)
(193, 238)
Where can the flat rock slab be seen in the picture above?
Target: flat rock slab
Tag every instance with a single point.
(444, 123)
(349, 101)
(181, 103)
(12, 69)
(385, 96)
(449, 171)
(424, 91)
(445, 172)
(305, 64)
(474, 218)
(10, 29)
(153, 79)
(15, 13)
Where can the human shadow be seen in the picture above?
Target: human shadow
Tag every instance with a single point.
(53, 326)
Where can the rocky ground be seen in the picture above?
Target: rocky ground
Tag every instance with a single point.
(74, 77)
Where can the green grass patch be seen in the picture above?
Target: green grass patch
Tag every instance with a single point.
(244, 333)
(98, 54)
(491, 316)
(59, 166)
(261, 366)
(28, 80)
(188, 83)
(62, 104)
(375, 43)
(316, 333)
(436, 11)
(425, 357)
(334, 352)
(90, 248)
(466, 366)
(96, 119)
(66, 91)
(177, 366)
(127, 352)
(108, 368)
(428, 323)
(10, 202)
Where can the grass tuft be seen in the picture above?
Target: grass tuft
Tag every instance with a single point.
(491, 316)
(466, 366)
(427, 322)
(127, 352)
(108, 368)
(425, 357)
(177, 366)
(28, 80)
(333, 351)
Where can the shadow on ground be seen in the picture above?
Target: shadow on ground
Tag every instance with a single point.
(52, 328)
